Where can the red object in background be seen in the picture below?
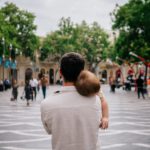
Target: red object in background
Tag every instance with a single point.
(141, 72)
(148, 64)
(118, 73)
(130, 72)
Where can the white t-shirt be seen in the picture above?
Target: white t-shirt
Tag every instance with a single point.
(34, 83)
(72, 119)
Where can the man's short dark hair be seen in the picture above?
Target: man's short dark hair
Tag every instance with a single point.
(71, 65)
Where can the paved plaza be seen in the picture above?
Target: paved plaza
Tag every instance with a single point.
(21, 128)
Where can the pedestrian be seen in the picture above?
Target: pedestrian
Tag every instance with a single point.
(61, 80)
(72, 119)
(128, 83)
(1, 85)
(44, 83)
(14, 90)
(34, 84)
(28, 92)
(140, 86)
(7, 84)
(88, 84)
(38, 86)
(112, 84)
(148, 87)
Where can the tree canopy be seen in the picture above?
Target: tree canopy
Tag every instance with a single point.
(90, 41)
(17, 28)
(133, 22)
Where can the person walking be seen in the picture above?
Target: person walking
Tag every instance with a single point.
(140, 86)
(44, 83)
(148, 87)
(1, 85)
(14, 90)
(28, 92)
(72, 119)
(34, 84)
(7, 84)
(112, 84)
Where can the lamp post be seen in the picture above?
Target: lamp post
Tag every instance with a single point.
(35, 63)
(135, 55)
(10, 59)
(14, 53)
(3, 57)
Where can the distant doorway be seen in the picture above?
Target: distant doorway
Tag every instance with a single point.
(28, 74)
(51, 76)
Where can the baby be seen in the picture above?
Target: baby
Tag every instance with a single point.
(88, 84)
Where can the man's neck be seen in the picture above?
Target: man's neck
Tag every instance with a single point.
(68, 84)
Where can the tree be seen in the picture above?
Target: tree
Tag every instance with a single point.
(90, 41)
(17, 27)
(95, 44)
(132, 20)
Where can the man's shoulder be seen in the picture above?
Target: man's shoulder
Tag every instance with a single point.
(52, 101)
(51, 98)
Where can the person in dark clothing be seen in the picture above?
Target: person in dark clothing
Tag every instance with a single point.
(112, 84)
(44, 83)
(33, 82)
(7, 84)
(140, 86)
(15, 90)
(28, 92)
(1, 86)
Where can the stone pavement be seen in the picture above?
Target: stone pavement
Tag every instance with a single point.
(21, 128)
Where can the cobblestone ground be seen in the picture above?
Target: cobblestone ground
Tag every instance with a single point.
(21, 128)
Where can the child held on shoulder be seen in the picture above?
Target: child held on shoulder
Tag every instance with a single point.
(88, 84)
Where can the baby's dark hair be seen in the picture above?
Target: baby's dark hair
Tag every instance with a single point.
(87, 83)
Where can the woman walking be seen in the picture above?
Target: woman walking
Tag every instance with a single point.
(44, 83)
(140, 86)
(14, 90)
(28, 92)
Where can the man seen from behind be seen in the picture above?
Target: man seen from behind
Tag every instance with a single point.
(72, 120)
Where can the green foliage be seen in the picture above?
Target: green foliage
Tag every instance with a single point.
(17, 27)
(90, 41)
(133, 22)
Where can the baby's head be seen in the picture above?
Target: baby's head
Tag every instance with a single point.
(87, 83)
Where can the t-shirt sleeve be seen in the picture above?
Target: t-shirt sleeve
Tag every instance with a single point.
(46, 122)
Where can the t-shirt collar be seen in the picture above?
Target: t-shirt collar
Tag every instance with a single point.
(68, 88)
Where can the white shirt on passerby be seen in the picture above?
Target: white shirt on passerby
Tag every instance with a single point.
(1, 82)
(33, 82)
(72, 119)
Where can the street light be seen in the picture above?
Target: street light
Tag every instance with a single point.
(3, 43)
(10, 46)
(16, 51)
(10, 49)
(135, 55)
(118, 58)
(31, 63)
(10, 59)
(34, 63)
(3, 57)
